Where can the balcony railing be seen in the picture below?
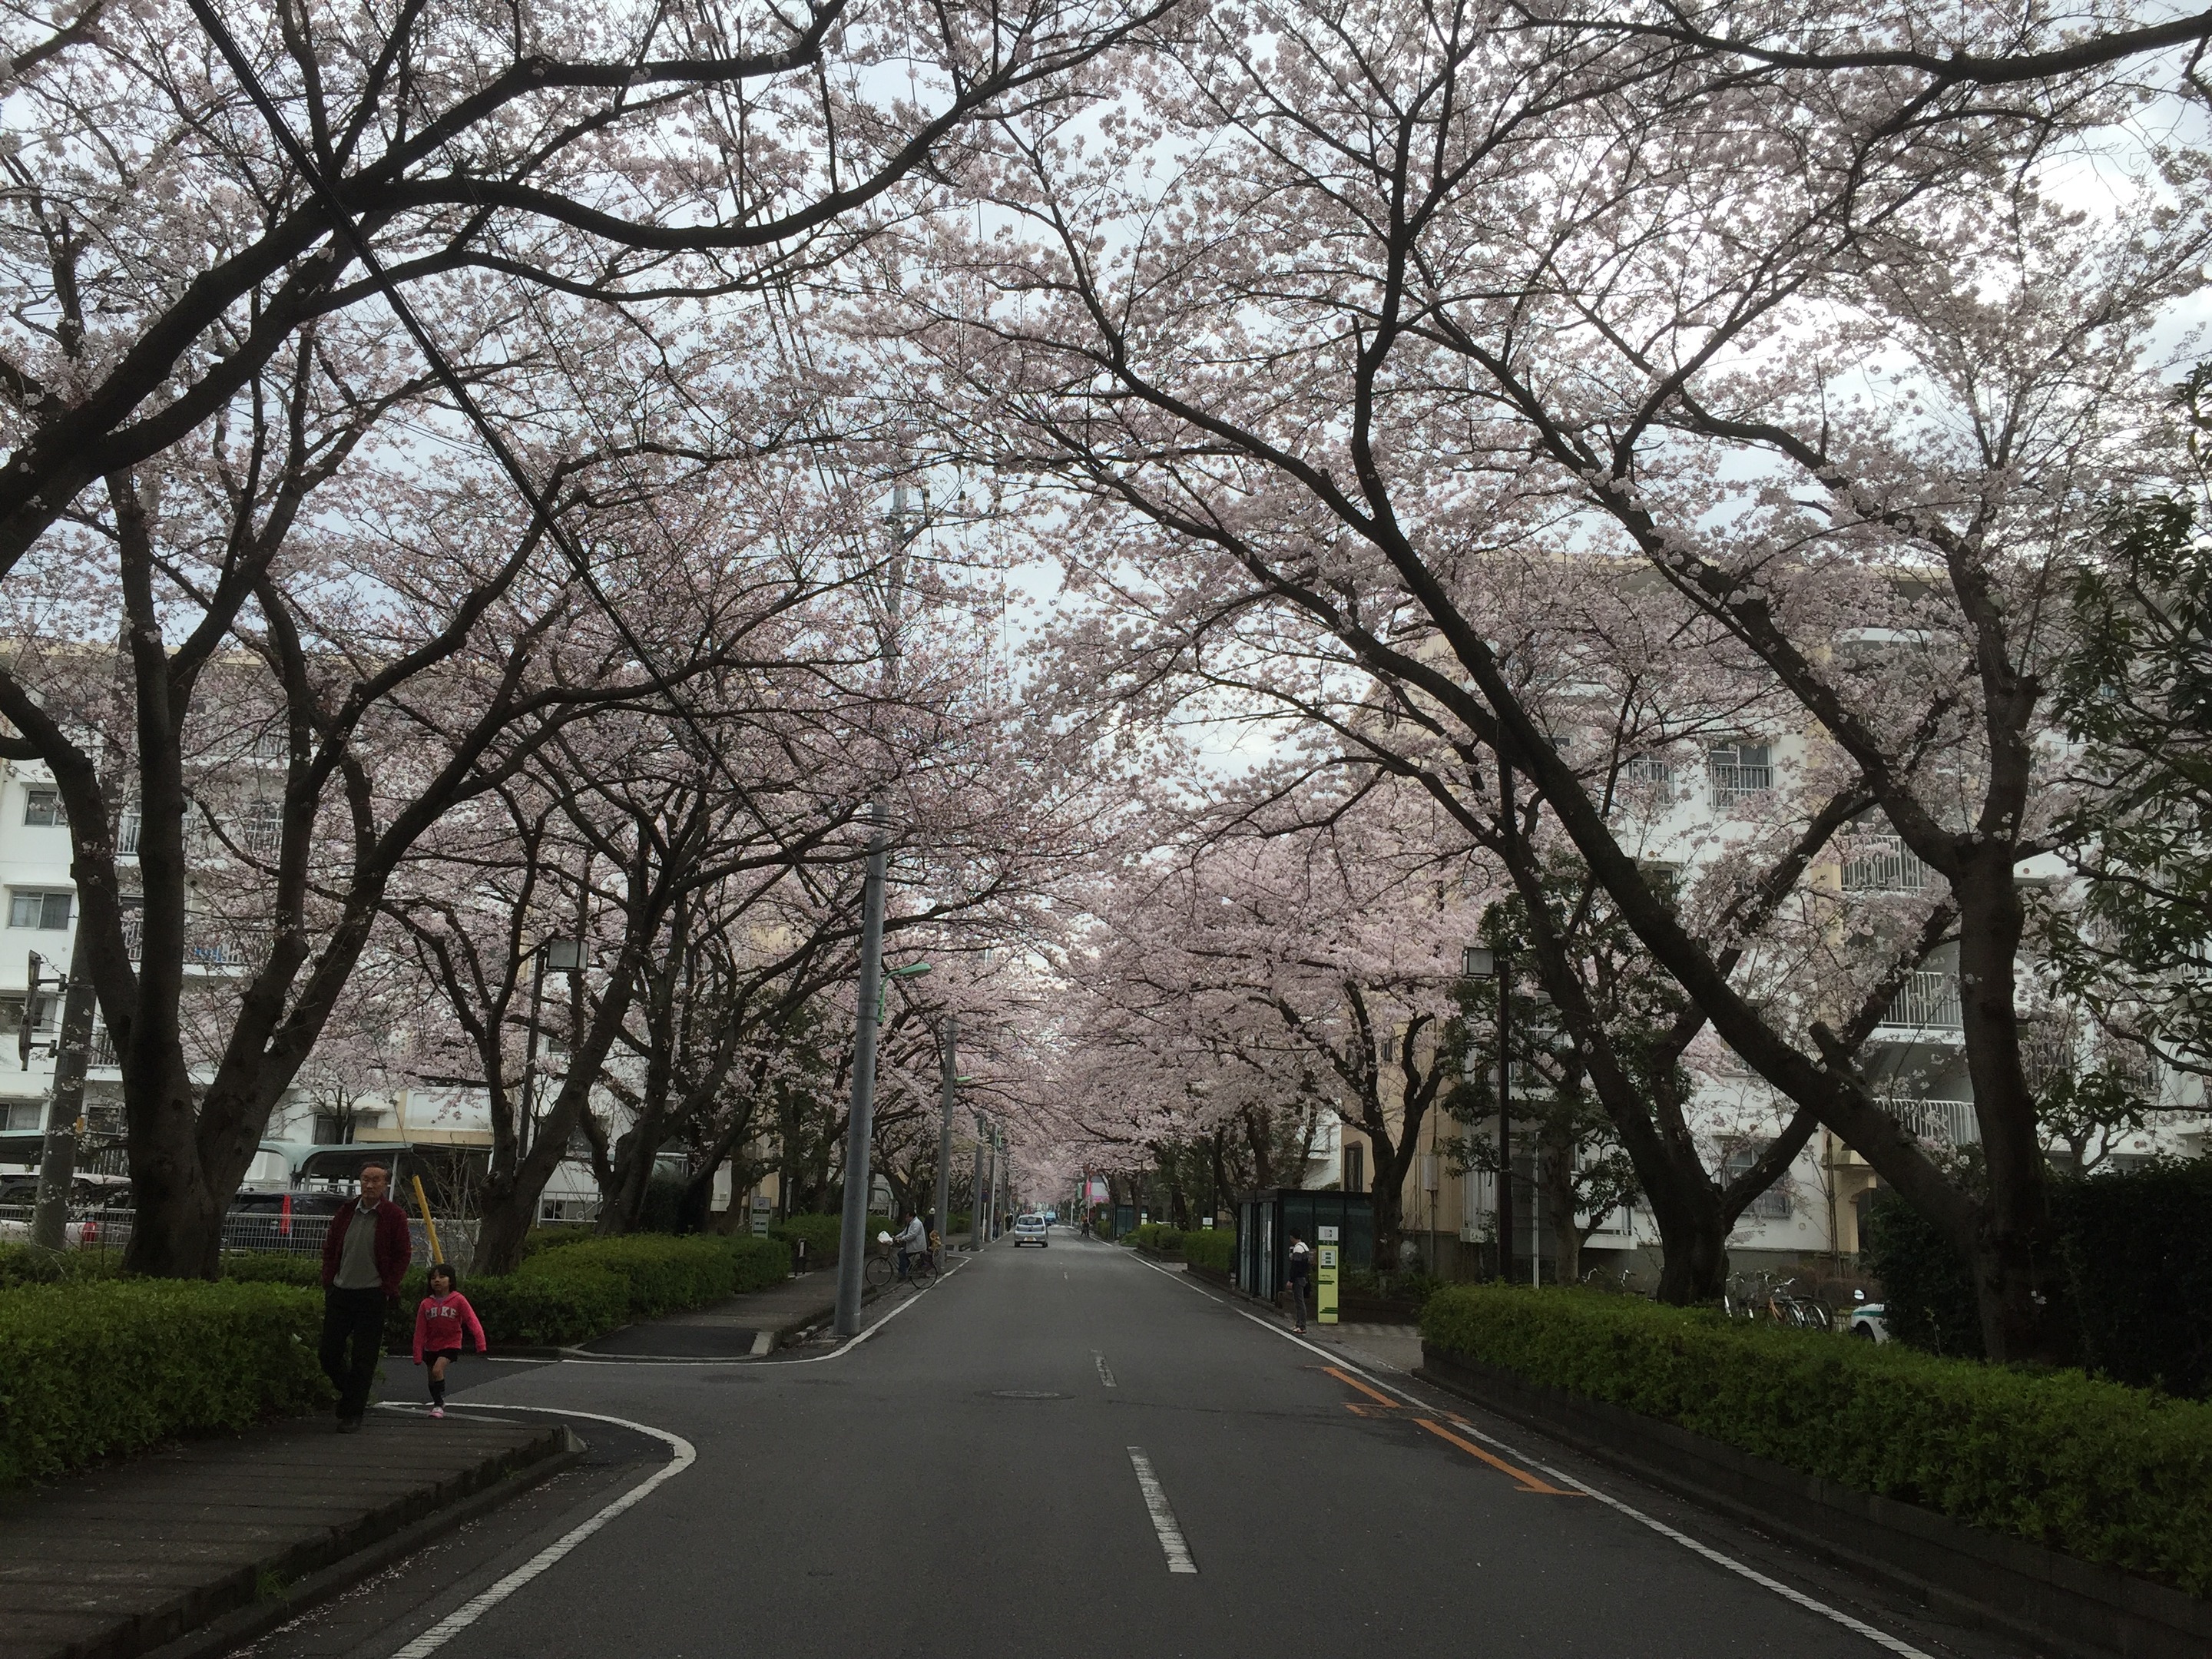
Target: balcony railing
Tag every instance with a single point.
(1733, 782)
(1936, 1123)
(126, 835)
(207, 946)
(102, 1049)
(1884, 864)
(1928, 1002)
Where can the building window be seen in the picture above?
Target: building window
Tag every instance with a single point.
(1739, 771)
(1355, 1168)
(46, 910)
(261, 829)
(1773, 1204)
(19, 1116)
(1648, 771)
(43, 807)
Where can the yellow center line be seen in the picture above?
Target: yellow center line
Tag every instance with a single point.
(1380, 1399)
(1528, 1482)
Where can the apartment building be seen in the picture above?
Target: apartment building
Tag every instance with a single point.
(38, 905)
(1813, 1215)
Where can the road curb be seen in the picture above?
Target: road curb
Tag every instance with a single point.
(244, 1624)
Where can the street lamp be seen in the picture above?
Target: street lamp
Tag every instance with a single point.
(564, 955)
(1480, 961)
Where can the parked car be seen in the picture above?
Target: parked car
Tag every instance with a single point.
(1870, 1320)
(1030, 1229)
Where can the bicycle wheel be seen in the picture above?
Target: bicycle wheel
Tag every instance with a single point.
(924, 1274)
(878, 1272)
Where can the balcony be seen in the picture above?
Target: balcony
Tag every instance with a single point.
(210, 944)
(102, 1049)
(1733, 782)
(1884, 864)
(1928, 1002)
(1935, 1122)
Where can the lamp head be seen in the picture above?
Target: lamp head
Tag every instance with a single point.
(1478, 962)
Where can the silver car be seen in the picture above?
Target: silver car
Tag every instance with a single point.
(1031, 1230)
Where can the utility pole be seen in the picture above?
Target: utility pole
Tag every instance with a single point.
(859, 1127)
(951, 1057)
(1504, 1064)
(977, 1197)
(58, 1156)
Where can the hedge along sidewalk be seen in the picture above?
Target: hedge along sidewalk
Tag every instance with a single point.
(2104, 1473)
(570, 1290)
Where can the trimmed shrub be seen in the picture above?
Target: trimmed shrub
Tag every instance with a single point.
(576, 1292)
(2106, 1473)
(25, 1264)
(557, 1235)
(1210, 1247)
(92, 1368)
(820, 1234)
(2137, 1249)
(1927, 1295)
(1156, 1235)
(274, 1267)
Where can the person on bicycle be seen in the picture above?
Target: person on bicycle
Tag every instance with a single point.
(912, 1239)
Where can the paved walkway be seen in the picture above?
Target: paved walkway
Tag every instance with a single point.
(752, 1325)
(120, 1561)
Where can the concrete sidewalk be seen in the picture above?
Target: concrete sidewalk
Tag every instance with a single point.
(730, 1329)
(119, 1562)
(749, 1326)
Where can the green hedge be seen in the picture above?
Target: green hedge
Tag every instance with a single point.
(91, 1368)
(2106, 1473)
(22, 1264)
(821, 1234)
(1209, 1247)
(586, 1289)
(2135, 1249)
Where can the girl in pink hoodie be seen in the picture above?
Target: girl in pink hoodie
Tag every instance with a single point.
(439, 1322)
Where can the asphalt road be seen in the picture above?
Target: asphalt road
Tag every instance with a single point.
(1068, 1452)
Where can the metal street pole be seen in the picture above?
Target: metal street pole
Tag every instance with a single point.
(530, 1055)
(58, 1156)
(860, 1129)
(944, 1130)
(853, 1233)
(976, 1211)
(1505, 1065)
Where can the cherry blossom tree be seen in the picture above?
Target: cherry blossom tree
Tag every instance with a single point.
(1343, 327)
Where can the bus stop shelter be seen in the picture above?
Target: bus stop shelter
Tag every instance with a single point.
(1266, 1220)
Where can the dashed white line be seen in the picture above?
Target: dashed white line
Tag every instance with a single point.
(1105, 1372)
(1163, 1521)
(1880, 1638)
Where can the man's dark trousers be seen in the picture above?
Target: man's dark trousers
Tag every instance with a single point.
(354, 1318)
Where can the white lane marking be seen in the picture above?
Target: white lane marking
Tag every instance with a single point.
(1742, 1569)
(1105, 1372)
(684, 1455)
(1163, 1521)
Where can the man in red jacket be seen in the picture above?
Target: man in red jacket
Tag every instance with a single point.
(365, 1255)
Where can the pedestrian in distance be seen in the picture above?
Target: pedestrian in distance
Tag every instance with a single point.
(440, 1320)
(1299, 1271)
(365, 1255)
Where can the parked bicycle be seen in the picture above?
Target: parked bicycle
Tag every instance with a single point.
(1754, 1297)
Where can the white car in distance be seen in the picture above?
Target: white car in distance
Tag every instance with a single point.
(1030, 1229)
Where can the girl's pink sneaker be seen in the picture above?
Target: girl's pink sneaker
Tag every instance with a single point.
(437, 1410)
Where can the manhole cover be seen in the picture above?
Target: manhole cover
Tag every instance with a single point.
(1026, 1394)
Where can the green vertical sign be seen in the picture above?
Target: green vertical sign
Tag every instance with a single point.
(1325, 1276)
